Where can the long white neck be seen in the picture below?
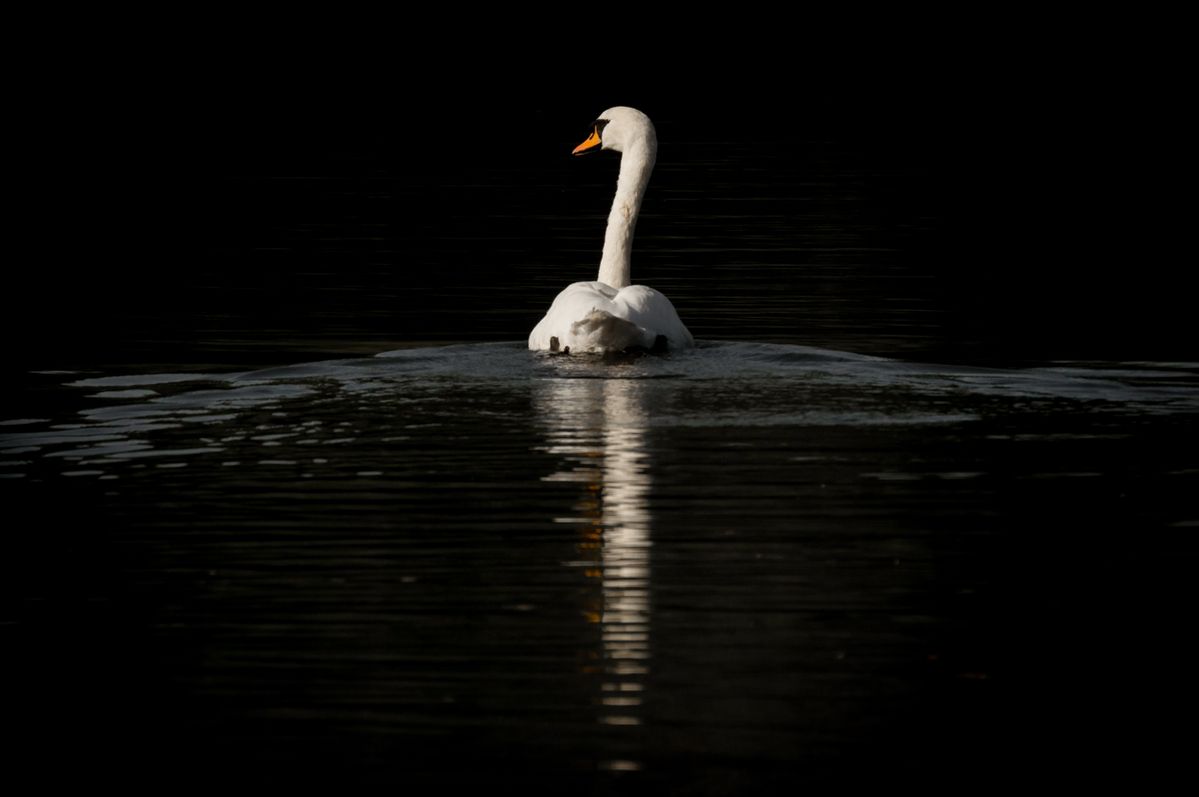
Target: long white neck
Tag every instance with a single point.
(636, 163)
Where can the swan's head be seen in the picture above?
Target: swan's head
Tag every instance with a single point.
(618, 129)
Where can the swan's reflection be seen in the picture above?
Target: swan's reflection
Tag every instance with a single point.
(598, 427)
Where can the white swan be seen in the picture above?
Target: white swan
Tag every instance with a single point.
(610, 314)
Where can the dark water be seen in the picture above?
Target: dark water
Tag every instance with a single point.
(241, 547)
(745, 566)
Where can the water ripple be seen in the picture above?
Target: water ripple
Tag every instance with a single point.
(715, 385)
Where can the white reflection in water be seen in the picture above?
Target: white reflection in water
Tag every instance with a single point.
(598, 426)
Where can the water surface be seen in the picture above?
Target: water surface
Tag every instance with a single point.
(746, 566)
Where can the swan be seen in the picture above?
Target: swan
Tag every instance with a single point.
(610, 314)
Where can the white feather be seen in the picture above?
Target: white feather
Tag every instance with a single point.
(610, 314)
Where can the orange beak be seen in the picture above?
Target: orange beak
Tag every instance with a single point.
(591, 143)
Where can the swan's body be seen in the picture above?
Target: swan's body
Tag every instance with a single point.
(611, 314)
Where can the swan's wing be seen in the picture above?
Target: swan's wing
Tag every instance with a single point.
(652, 311)
(576, 302)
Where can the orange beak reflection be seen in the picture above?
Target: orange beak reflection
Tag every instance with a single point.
(591, 143)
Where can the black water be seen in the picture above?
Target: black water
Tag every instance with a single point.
(265, 526)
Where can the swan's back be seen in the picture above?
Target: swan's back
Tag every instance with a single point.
(594, 317)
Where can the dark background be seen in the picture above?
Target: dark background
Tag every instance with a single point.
(228, 208)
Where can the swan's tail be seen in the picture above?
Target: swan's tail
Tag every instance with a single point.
(600, 331)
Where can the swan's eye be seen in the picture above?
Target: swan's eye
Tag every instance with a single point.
(596, 128)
